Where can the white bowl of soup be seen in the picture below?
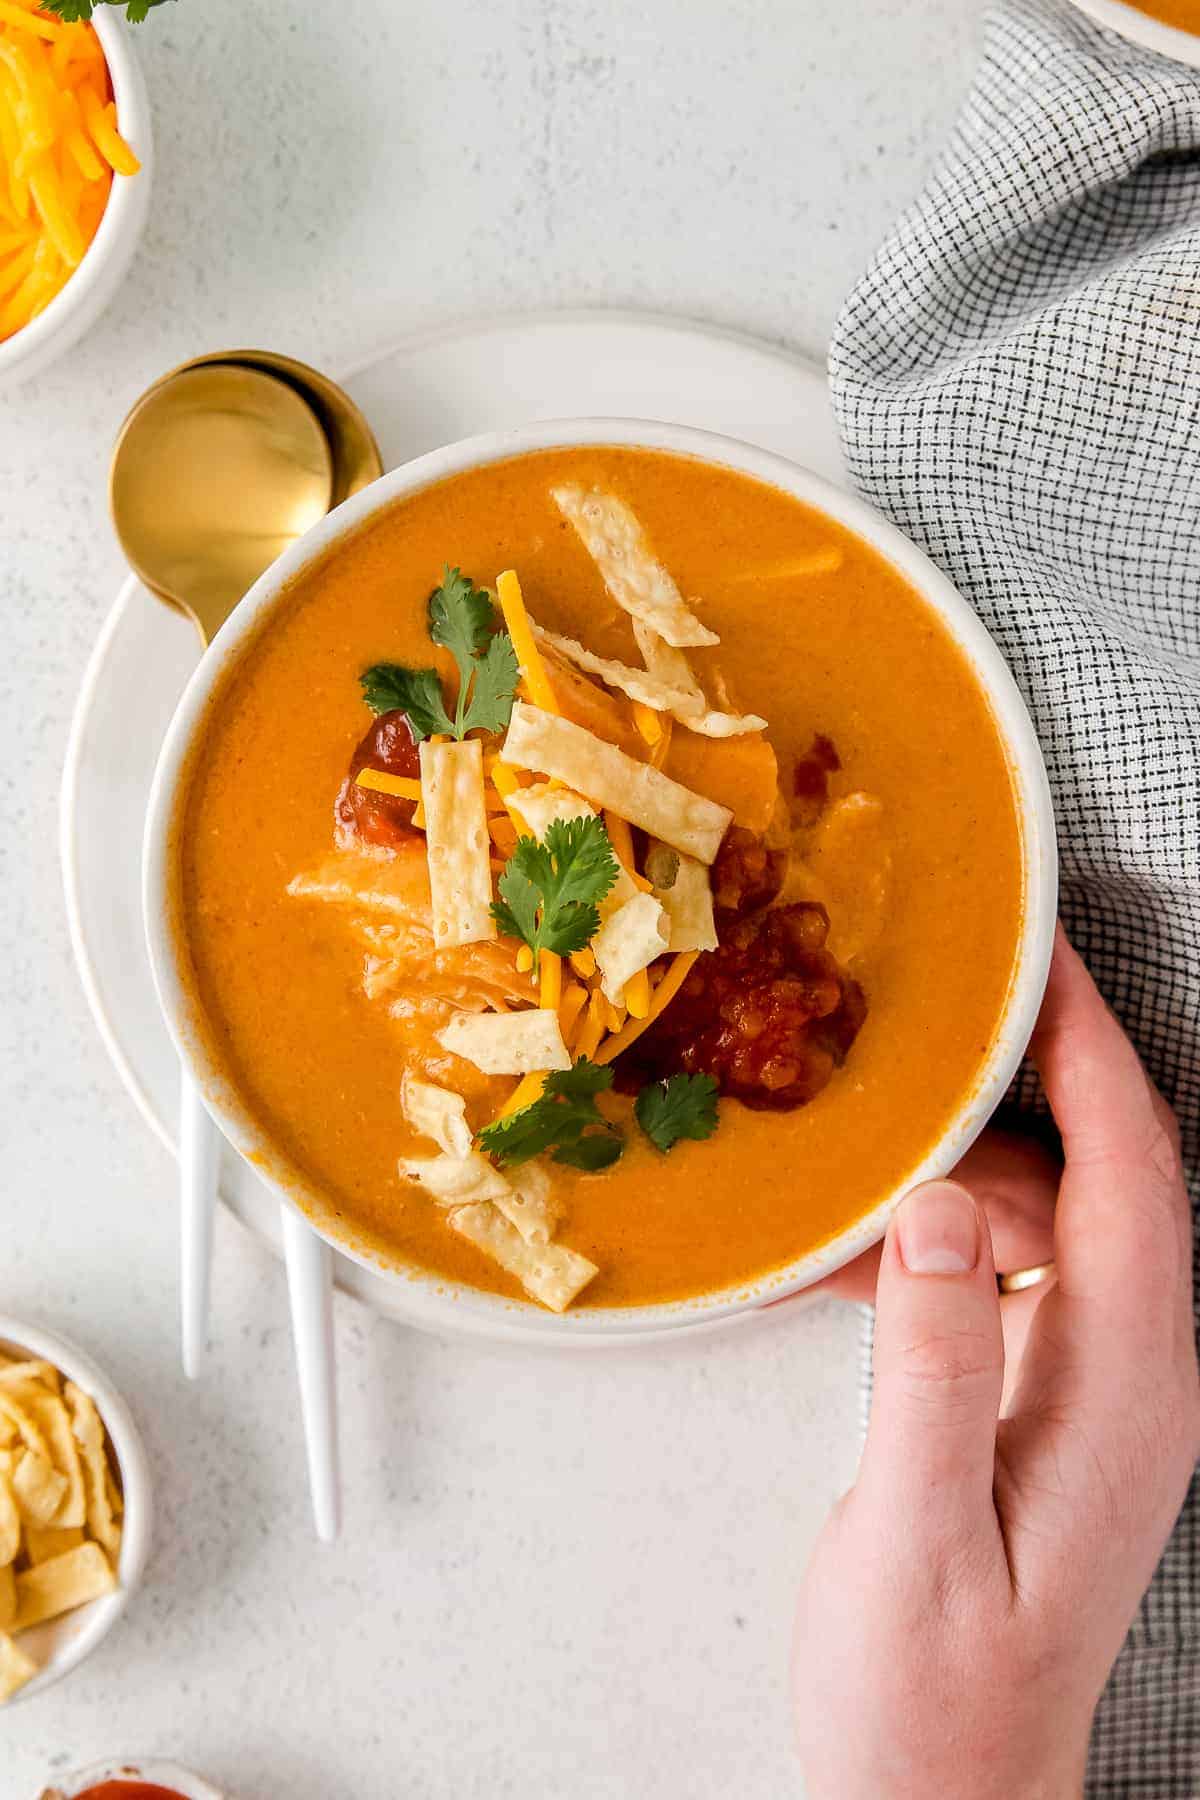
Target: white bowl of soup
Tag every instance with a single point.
(1171, 27)
(595, 873)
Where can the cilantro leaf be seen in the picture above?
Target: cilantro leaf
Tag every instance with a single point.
(598, 1150)
(74, 12)
(417, 692)
(496, 675)
(462, 620)
(564, 1119)
(684, 1106)
(461, 616)
(549, 889)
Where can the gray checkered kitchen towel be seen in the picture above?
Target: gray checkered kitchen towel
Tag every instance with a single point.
(1017, 381)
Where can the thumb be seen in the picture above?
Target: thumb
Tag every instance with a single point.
(939, 1364)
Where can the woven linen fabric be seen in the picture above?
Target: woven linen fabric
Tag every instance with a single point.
(1017, 383)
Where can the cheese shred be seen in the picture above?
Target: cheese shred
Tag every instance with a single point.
(533, 670)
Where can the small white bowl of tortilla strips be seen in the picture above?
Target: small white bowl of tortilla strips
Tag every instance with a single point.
(74, 1507)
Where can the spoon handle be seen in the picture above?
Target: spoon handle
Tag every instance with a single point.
(310, 1289)
(199, 1157)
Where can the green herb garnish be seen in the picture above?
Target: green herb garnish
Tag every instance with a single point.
(76, 12)
(684, 1106)
(549, 888)
(463, 620)
(390, 687)
(564, 1120)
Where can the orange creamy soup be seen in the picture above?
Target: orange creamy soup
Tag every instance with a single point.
(864, 899)
(1184, 14)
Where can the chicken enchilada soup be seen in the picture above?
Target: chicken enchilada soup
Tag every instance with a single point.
(601, 878)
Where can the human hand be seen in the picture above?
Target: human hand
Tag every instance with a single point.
(967, 1598)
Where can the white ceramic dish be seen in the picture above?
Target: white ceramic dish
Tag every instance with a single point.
(1139, 28)
(151, 1772)
(442, 1302)
(62, 1644)
(77, 306)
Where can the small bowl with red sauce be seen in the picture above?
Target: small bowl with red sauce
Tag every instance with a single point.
(131, 1779)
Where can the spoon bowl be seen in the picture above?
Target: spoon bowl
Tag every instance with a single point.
(216, 471)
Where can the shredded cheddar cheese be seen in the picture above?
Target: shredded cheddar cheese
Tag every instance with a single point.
(381, 781)
(533, 670)
(662, 996)
(59, 150)
(527, 1090)
(621, 839)
(648, 722)
(570, 1010)
(637, 995)
(595, 1023)
(551, 980)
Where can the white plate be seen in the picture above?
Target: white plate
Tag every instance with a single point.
(427, 391)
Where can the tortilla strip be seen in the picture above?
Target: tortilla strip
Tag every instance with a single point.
(613, 538)
(519, 1043)
(10, 1524)
(43, 1542)
(686, 704)
(8, 1596)
(15, 1668)
(63, 1583)
(553, 746)
(38, 1488)
(44, 1373)
(51, 1415)
(549, 1272)
(688, 905)
(27, 1427)
(540, 804)
(455, 1180)
(531, 1205)
(437, 1113)
(629, 942)
(457, 845)
(395, 887)
(88, 1427)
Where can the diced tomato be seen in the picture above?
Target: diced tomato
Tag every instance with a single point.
(810, 780)
(372, 818)
(770, 1013)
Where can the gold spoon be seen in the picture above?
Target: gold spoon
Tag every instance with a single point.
(217, 469)
(221, 465)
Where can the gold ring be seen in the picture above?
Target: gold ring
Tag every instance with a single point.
(1017, 1279)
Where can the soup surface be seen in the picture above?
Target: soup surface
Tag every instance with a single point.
(904, 828)
(1183, 14)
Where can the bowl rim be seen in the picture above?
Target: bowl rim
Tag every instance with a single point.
(99, 1616)
(436, 1301)
(1140, 28)
(124, 214)
(150, 1770)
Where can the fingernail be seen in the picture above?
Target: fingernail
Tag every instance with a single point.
(937, 1230)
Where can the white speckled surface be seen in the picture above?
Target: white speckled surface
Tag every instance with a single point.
(562, 1577)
